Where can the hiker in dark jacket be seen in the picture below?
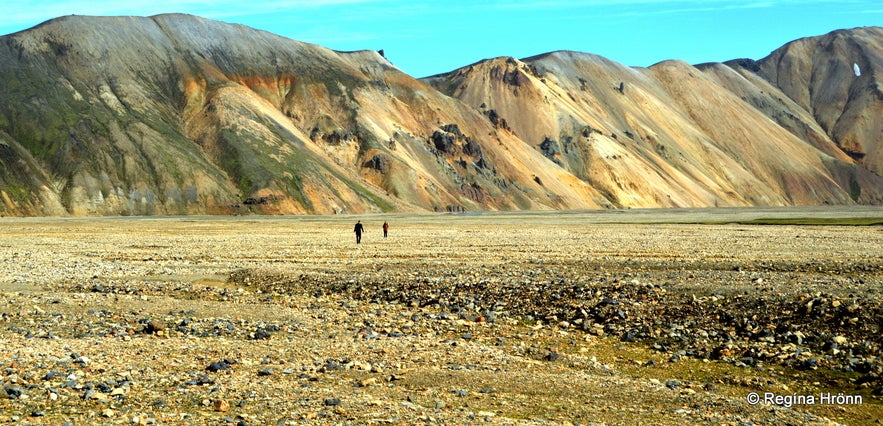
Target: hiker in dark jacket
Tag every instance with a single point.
(358, 230)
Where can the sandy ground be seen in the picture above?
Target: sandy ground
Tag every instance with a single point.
(510, 318)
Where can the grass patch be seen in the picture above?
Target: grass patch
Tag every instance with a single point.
(631, 359)
(815, 221)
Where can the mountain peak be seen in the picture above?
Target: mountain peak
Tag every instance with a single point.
(177, 114)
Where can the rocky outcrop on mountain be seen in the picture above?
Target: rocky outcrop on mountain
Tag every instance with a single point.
(175, 114)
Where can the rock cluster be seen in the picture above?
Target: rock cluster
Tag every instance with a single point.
(801, 330)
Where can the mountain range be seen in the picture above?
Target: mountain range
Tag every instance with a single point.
(176, 114)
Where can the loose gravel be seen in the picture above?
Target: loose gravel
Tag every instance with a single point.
(497, 319)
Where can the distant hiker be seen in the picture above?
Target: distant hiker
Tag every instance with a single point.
(385, 229)
(358, 230)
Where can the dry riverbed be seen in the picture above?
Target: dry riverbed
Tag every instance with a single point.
(657, 317)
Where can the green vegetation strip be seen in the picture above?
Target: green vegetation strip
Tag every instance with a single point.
(794, 221)
(819, 221)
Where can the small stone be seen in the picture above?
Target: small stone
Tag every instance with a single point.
(200, 380)
(38, 413)
(221, 405)
(368, 382)
(673, 384)
(154, 327)
(218, 366)
(460, 392)
(261, 334)
(13, 392)
(107, 412)
(367, 333)
(265, 372)
(332, 402)
(809, 364)
(96, 395)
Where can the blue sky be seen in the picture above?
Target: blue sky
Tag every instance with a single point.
(429, 37)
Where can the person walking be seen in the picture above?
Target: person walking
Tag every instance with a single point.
(358, 230)
(385, 229)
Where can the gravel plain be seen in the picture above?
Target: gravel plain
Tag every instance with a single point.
(627, 317)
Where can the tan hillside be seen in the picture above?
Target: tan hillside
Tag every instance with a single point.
(674, 135)
(175, 114)
(819, 75)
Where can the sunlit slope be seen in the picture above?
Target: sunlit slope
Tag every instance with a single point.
(176, 114)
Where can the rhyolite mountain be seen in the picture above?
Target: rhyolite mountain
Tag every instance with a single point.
(176, 114)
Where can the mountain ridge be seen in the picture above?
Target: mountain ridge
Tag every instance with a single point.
(176, 114)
